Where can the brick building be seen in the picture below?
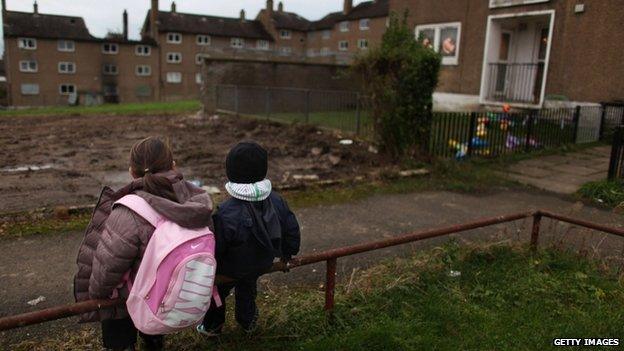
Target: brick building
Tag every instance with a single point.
(523, 52)
(53, 59)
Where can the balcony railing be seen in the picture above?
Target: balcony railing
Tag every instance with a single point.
(515, 82)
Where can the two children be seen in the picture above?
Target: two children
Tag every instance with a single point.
(252, 228)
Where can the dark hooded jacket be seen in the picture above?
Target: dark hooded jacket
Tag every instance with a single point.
(250, 235)
(116, 238)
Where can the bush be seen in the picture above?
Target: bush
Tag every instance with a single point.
(399, 77)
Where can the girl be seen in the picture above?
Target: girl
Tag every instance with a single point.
(117, 237)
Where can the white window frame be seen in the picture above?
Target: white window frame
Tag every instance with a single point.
(325, 51)
(345, 47)
(199, 58)
(262, 44)
(22, 43)
(237, 43)
(508, 3)
(198, 78)
(367, 22)
(170, 77)
(437, 27)
(174, 57)
(110, 50)
(360, 46)
(32, 85)
(27, 68)
(62, 45)
(203, 40)
(285, 50)
(67, 64)
(107, 71)
(74, 88)
(326, 34)
(344, 26)
(285, 34)
(143, 50)
(174, 38)
(143, 70)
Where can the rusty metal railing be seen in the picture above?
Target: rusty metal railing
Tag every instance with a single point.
(330, 257)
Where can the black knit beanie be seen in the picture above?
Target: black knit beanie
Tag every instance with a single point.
(246, 163)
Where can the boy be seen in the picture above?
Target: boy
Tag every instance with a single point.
(252, 228)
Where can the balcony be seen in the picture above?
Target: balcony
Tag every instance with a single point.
(514, 82)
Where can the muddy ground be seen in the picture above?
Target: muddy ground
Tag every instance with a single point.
(50, 161)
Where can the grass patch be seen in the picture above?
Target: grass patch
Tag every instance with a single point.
(150, 108)
(504, 299)
(604, 192)
(45, 226)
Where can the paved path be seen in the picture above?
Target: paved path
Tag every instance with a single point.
(563, 174)
(44, 265)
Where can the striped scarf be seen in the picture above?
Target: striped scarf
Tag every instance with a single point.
(249, 192)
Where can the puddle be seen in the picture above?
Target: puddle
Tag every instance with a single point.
(26, 168)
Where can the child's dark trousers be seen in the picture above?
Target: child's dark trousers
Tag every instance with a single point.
(245, 291)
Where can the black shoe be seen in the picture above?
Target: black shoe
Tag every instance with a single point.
(210, 333)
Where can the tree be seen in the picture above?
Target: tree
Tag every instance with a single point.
(399, 79)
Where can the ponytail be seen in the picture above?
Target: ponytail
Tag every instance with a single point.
(149, 157)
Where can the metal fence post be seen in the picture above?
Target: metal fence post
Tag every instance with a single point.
(471, 134)
(307, 106)
(603, 115)
(616, 153)
(527, 145)
(577, 119)
(330, 284)
(358, 113)
(537, 221)
(236, 102)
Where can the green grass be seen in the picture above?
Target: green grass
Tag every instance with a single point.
(504, 299)
(150, 108)
(604, 192)
(44, 226)
(345, 120)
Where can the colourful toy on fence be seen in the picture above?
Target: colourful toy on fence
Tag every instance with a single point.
(513, 142)
(460, 148)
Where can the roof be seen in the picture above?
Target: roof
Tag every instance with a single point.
(216, 26)
(290, 20)
(26, 24)
(368, 9)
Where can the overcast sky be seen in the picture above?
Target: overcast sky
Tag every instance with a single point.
(104, 15)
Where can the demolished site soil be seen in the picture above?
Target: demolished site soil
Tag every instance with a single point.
(51, 161)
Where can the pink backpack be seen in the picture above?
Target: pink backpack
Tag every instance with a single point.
(175, 281)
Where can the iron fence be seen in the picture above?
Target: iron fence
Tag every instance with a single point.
(515, 82)
(616, 164)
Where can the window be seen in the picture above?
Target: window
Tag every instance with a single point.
(343, 45)
(506, 3)
(110, 48)
(143, 70)
(174, 57)
(67, 67)
(311, 52)
(28, 66)
(203, 40)
(262, 45)
(27, 43)
(174, 38)
(325, 51)
(285, 50)
(199, 58)
(67, 89)
(198, 78)
(174, 77)
(66, 45)
(364, 24)
(143, 50)
(344, 26)
(443, 38)
(110, 69)
(326, 34)
(362, 44)
(29, 89)
(110, 90)
(237, 43)
(285, 34)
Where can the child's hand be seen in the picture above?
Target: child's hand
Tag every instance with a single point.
(285, 261)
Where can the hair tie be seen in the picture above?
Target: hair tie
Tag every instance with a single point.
(147, 170)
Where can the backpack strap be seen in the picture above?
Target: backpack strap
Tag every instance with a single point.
(139, 206)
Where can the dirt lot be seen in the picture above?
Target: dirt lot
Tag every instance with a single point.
(49, 161)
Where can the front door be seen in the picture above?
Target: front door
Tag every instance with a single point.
(503, 69)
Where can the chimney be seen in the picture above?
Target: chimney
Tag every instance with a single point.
(173, 7)
(242, 15)
(280, 7)
(348, 6)
(125, 25)
(269, 7)
(154, 20)
(35, 7)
